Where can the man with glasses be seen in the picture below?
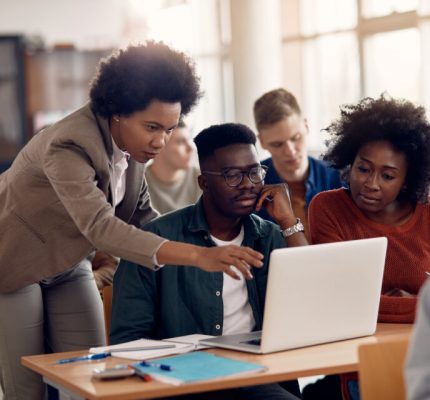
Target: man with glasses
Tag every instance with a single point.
(184, 300)
(234, 177)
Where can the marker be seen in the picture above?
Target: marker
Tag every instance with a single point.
(163, 367)
(144, 377)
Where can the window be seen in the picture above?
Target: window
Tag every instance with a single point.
(343, 50)
(331, 67)
(201, 29)
(378, 8)
(392, 63)
(327, 16)
(12, 99)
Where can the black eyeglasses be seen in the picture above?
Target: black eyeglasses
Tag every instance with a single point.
(234, 177)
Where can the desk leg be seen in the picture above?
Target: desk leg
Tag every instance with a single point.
(65, 394)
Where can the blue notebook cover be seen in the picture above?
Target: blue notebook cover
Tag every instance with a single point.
(196, 366)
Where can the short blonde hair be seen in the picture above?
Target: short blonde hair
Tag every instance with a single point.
(274, 106)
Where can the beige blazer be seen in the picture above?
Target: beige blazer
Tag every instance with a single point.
(56, 204)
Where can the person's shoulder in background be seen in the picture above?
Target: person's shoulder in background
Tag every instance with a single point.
(170, 197)
(272, 176)
(322, 176)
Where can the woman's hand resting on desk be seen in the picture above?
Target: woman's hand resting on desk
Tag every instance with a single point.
(211, 259)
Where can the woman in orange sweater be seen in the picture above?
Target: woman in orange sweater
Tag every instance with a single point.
(383, 148)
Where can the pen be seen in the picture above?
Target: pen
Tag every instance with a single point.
(89, 357)
(163, 367)
(143, 376)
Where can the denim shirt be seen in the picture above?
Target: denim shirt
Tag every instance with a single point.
(182, 300)
(321, 177)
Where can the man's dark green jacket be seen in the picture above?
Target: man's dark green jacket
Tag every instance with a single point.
(182, 300)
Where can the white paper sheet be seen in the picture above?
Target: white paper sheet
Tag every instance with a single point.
(144, 354)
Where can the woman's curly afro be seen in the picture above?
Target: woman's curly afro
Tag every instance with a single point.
(128, 80)
(399, 122)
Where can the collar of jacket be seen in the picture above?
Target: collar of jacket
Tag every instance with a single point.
(103, 125)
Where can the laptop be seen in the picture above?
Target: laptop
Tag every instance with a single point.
(316, 294)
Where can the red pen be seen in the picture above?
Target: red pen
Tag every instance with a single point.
(142, 375)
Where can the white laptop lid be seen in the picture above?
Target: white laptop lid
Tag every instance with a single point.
(317, 294)
(322, 293)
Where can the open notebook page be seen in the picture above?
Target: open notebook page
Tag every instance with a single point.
(174, 348)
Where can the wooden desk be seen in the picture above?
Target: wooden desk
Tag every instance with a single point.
(75, 382)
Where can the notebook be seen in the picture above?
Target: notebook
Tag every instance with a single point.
(145, 349)
(197, 366)
(317, 294)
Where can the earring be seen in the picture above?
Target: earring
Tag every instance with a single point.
(116, 119)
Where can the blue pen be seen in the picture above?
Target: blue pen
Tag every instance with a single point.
(163, 367)
(89, 357)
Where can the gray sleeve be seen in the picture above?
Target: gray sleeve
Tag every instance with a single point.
(418, 359)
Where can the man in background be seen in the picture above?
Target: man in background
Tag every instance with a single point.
(283, 132)
(172, 177)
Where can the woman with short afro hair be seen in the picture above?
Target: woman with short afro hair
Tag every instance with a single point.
(130, 79)
(382, 147)
(397, 121)
(78, 186)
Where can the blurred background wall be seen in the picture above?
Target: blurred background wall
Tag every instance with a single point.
(327, 52)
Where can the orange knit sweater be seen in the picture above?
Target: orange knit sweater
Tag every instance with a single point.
(333, 217)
